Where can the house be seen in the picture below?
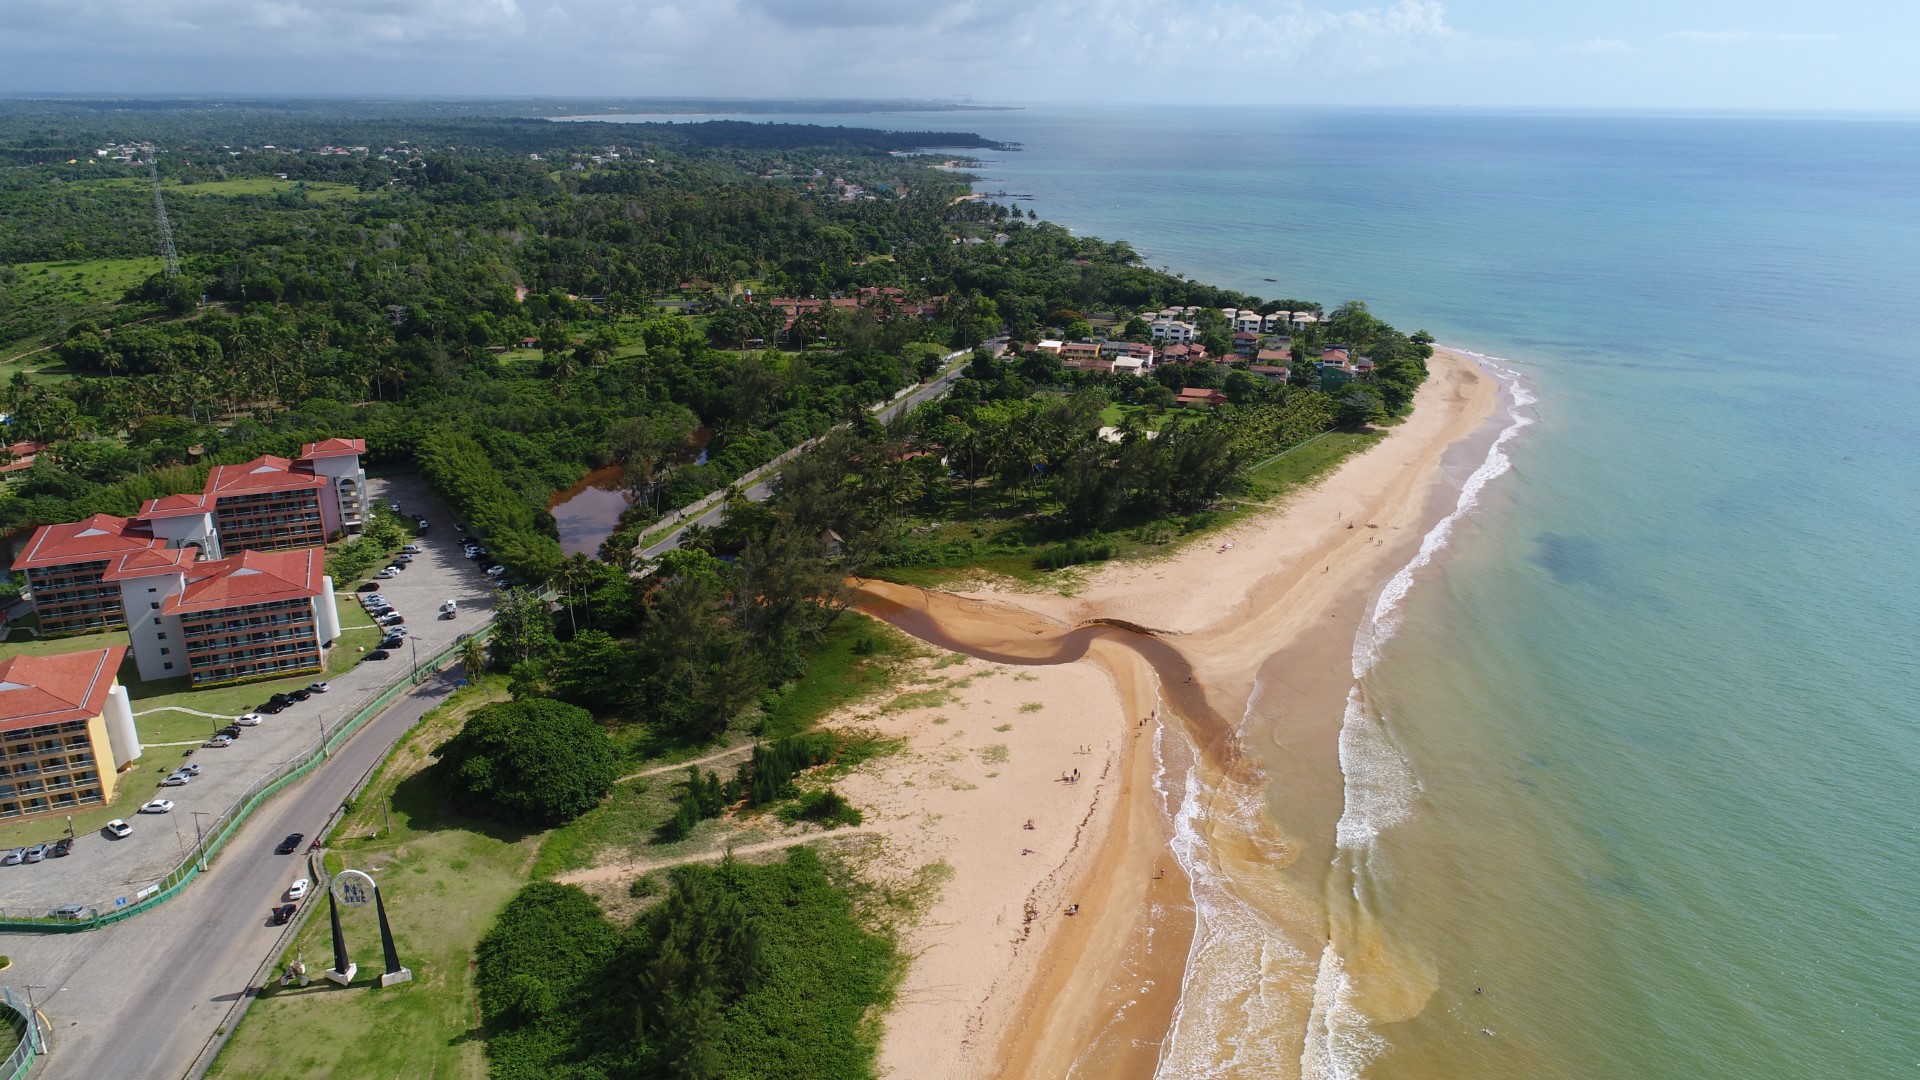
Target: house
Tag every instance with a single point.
(1246, 343)
(1173, 331)
(1273, 356)
(1049, 345)
(21, 455)
(66, 729)
(1177, 354)
(1079, 351)
(1244, 321)
(1272, 372)
(1131, 365)
(1201, 398)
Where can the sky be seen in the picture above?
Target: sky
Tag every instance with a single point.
(1712, 54)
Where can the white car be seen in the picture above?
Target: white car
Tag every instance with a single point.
(251, 719)
(298, 889)
(412, 549)
(176, 780)
(389, 572)
(119, 829)
(158, 806)
(496, 571)
(319, 687)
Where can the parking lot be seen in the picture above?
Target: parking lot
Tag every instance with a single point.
(101, 870)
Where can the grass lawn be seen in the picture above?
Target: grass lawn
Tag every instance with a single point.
(242, 697)
(1155, 420)
(444, 880)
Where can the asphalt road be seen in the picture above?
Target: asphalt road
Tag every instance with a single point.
(142, 998)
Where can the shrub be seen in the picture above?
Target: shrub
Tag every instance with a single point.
(828, 808)
(530, 762)
(1073, 553)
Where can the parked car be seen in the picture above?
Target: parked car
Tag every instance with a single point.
(178, 779)
(318, 688)
(421, 524)
(218, 741)
(368, 586)
(394, 506)
(450, 609)
(189, 769)
(119, 829)
(496, 570)
(62, 848)
(157, 806)
(377, 610)
(388, 574)
(283, 699)
(396, 631)
(251, 719)
(302, 695)
(392, 642)
(412, 549)
(298, 889)
(37, 853)
(283, 914)
(402, 559)
(391, 618)
(378, 654)
(291, 844)
(231, 731)
(14, 858)
(272, 708)
(69, 912)
(373, 598)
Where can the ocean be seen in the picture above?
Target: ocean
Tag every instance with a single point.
(1634, 786)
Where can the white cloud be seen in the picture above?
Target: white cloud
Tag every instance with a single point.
(1603, 46)
(1735, 37)
(1003, 49)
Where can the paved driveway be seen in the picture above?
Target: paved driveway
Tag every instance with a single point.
(102, 871)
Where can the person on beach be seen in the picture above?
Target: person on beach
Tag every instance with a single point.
(1029, 824)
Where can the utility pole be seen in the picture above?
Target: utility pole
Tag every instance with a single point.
(33, 1017)
(200, 839)
(160, 220)
(413, 646)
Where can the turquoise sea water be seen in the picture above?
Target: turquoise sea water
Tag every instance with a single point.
(1658, 701)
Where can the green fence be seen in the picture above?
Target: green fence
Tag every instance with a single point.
(229, 821)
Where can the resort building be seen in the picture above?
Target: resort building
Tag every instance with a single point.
(1173, 331)
(65, 565)
(66, 727)
(256, 615)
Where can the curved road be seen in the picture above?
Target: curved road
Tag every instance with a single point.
(144, 997)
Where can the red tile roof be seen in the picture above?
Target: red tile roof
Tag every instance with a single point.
(37, 690)
(1274, 356)
(175, 506)
(23, 454)
(99, 537)
(152, 561)
(1193, 395)
(333, 448)
(251, 577)
(262, 474)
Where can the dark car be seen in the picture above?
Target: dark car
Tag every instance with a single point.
(281, 699)
(61, 848)
(378, 654)
(284, 913)
(368, 586)
(392, 642)
(301, 695)
(272, 707)
(291, 844)
(231, 731)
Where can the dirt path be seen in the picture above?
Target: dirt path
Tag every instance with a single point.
(611, 873)
(742, 751)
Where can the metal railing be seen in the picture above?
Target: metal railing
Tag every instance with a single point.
(26, 1034)
(228, 821)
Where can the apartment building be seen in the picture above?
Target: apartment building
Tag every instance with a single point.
(259, 614)
(66, 567)
(66, 728)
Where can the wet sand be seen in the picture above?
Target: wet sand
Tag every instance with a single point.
(1281, 606)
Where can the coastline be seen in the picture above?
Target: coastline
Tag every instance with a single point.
(1275, 616)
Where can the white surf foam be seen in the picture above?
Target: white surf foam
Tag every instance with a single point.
(1380, 784)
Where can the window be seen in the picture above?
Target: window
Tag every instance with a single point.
(166, 652)
(152, 588)
(154, 606)
(162, 635)
(168, 665)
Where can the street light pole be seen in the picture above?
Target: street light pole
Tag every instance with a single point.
(413, 647)
(199, 839)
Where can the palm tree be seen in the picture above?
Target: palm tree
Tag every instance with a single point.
(473, 659)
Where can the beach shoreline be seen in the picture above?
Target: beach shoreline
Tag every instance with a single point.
(1297, 579)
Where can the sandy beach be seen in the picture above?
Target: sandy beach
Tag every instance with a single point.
(1003, 981)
